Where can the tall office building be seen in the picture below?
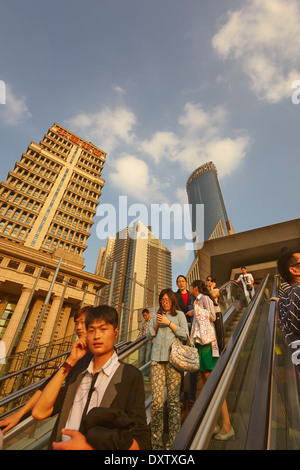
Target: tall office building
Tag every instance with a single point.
(49, 199)
(203, 188)
(47, 205)
(104, 267)
(143, 267)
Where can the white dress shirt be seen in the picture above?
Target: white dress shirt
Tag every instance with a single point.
(105, 374)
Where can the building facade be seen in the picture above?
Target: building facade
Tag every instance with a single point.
(142, 267)
(203, 188)
(47, 205)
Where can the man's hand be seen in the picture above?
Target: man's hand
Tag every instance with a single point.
(79, 349)
(77, 441)
(9, 422)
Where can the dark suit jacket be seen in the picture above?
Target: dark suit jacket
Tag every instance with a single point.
(125, 392)
(182, 305)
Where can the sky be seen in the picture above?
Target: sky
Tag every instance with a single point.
(162, 86)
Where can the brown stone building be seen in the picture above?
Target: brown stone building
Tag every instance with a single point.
(47, 205)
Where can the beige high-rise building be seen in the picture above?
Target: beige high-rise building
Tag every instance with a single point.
(143, 267)
(47, 205)
(104, 267)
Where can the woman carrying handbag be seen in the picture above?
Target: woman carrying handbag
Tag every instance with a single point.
(203, 333)
(168, 324)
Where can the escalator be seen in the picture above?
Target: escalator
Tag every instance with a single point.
(30, 434)
(254, 374)
(256, 377)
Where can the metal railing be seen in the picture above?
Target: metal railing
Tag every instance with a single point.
(234, 294)
(198, 427)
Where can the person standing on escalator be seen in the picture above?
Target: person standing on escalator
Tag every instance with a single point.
(247, 281)
(168, 324)
(289, 303)
(185, 301)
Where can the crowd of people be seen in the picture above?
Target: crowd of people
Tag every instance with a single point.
(102, 405)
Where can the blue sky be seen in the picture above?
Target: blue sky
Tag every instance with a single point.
(162, 86)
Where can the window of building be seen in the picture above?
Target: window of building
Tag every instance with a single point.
(15, 230)
(13, 264)
(29, 269)
(7, 229)
(6, 316)
(59, 278)
(45, 274)
(22, 233)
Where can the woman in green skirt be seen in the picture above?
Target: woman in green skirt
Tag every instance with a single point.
(209, 352)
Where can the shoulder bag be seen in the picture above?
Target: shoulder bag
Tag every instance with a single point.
(184, 357)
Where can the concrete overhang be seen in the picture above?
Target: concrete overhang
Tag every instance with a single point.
(257, 249)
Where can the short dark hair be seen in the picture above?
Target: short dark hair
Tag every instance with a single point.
(145, 310)
(243, 267)
(173, 299)
(82, 311)
(104, 312)
(285, 261)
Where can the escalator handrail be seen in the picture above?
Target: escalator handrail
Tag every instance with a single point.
(33, 366)
(191, 424)
(123, 353)
(258, 430)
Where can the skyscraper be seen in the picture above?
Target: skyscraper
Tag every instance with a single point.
(203, 188)
(47, 205)
(141, 262)
(49, 199)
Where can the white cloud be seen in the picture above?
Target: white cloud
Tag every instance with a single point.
(15, 110)
(263, 37)
(227, 154)
(161, 145)
(107, 128)
(180, 254)
(119, 90)
(182, 195)
(133, 177)
(202, 136)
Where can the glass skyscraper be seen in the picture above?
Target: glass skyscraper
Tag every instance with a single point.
(203, 188)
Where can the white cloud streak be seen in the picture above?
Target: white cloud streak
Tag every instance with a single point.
(15, 110)
(132, 176)
(263, 38)
(107, 128)
(201, 136)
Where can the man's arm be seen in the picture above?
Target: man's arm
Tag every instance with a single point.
(14, 418)
(45, 403)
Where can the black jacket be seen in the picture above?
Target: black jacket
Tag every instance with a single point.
(182, 305)
(125, 392)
